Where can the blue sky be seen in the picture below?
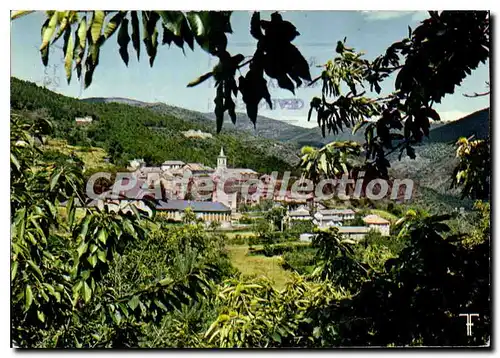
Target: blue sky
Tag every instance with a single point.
(370, 32)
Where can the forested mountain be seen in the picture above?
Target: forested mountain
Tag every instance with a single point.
(436, 159)
(476, 123)
(266, 127)
(128, 132)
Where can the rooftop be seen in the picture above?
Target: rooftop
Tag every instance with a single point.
(173, 162)
(328, 217)
(299, 213)
(354, 229)
(375, 219)
(197, 166)
(336, 211)
(197, 206)
(240, 171)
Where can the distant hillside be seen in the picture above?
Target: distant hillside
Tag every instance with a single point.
(159, 107)
(127, 132)
(286, 132)
(477, 124)
(266, 127)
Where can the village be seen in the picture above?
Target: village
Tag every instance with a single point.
(179, 183)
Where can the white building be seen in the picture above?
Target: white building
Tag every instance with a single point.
(83, 120)
(207, 211)
(306, 237)
(228, 183)
(354, 232)
(301, 213)
(375, 222)
(326, 220)
(172, 164)
(344, 214)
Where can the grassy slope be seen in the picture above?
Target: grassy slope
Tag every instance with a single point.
(385, 215)
(92, 157)
(258, 265)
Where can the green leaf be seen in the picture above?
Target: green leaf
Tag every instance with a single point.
(36, 268)
(70, 210)
(80, 42)
(28, 294)
(50, 288)
(113, 24)
(97, 24)
(48, 30)
(103, 235)
(14, 161)
(54, 179)
(63, 26)
(172, 20)
(82, 249)
(68, 58)
(40, 316)
(117, 317)
(91, 63)
(255, 29)
(20, 13)
(87, 292)
(123, 41)
(129, 228)
(135, 33)
(150, 33)
(133, 303)
(161, 305)
(323, 164)
(101, 255)
(200, 79)
(77, 288)
(85, 227)
(219, 107)
(196, 23)
(92, 259)
(165, 281)
(81, 31)
(276, 337)
(358, 126)
(13, 270)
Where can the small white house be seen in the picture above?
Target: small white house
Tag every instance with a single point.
(344, 214)
(354, 232)
(375, 222)
(172, 164)
(326, 220)
(301, 213)
(306, 237)
(83, 120)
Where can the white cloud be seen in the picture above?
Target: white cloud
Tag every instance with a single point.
(450, 116)
(419, 16)
(389, 15)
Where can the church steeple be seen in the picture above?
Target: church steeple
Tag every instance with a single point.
(221, 160)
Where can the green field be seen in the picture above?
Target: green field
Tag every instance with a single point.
(92, 157)
(385, 215)
(258, 265)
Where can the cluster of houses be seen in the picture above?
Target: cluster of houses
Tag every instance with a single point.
(219, 205)
(324, 218)
(222, 205)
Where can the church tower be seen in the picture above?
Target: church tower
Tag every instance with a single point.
(221, 160)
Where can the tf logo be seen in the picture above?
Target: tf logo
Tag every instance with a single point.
(469, 323)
